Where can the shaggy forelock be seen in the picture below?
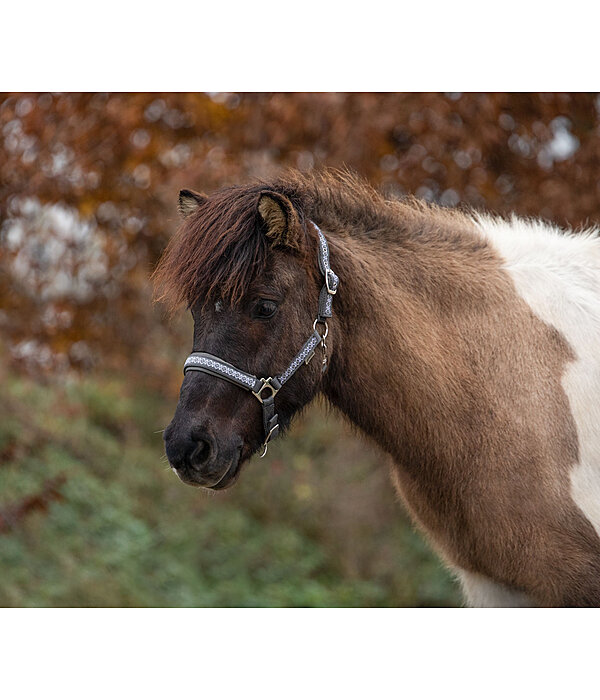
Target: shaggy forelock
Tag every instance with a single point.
(216, 253)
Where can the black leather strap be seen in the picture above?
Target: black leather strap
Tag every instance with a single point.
(205, 362)
(270, 418)
(331, 279)
(304, 356)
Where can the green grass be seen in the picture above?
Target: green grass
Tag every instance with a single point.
(316, 523)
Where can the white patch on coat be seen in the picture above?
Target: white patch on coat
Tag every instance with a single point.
(482, 592)
(558, 275)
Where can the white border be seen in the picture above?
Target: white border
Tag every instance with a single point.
(304, 654)
(316, 45)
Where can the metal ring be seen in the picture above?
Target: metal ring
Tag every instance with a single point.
(326, 327)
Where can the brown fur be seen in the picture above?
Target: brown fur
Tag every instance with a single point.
(436, 357)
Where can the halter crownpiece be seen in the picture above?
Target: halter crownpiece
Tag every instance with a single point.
(265, 389)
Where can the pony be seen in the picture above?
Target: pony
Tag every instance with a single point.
(465, 345)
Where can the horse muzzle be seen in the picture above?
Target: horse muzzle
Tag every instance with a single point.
(199, 459)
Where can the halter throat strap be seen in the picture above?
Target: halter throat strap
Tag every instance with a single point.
(266, 388)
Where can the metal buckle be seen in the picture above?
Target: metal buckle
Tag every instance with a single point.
(309, 358)
(329, 289)
(266, 442)
(266, 384)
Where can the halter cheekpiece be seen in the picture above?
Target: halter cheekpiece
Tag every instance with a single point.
(265, 389)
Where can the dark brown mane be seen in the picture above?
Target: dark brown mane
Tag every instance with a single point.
(342, 201)
(218, 251)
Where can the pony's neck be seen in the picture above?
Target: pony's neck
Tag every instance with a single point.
(400, 361)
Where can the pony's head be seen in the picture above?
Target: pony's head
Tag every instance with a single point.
(245, 263)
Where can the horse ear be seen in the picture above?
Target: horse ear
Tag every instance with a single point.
(280, 219)
(189, 201)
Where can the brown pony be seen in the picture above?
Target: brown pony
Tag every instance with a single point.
(446, 346)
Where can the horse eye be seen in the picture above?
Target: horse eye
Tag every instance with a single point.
(265, 308)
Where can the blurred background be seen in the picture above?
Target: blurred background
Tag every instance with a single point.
(90, 514)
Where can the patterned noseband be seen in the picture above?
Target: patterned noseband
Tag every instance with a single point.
(265, 389)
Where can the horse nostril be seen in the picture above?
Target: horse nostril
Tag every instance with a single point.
(202, 452)
(200, 455)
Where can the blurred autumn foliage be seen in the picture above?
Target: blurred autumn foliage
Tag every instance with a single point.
(88, 185)
(88, 192)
